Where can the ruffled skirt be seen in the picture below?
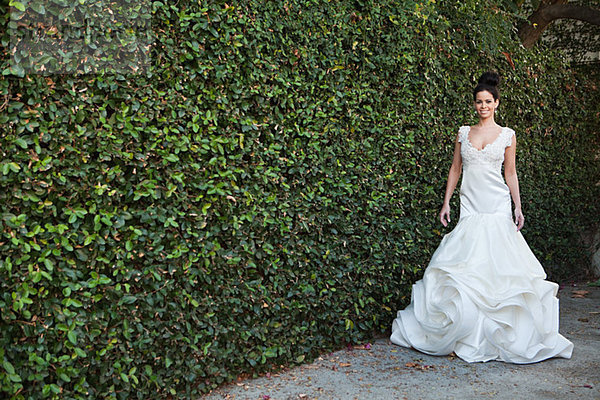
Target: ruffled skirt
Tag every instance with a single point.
(484, 297)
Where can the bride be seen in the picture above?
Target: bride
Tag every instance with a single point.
(484, 295)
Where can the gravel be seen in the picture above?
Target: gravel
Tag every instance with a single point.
(381, 370)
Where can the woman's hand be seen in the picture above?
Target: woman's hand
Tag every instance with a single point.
(519, 219)
(445, 215)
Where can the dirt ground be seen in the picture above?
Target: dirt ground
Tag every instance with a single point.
(381, 370)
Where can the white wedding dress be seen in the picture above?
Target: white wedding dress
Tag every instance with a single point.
(484, 295)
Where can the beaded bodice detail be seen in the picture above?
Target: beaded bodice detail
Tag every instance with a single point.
(491, 155)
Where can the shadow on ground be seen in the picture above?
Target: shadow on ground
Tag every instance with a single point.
(385, 371)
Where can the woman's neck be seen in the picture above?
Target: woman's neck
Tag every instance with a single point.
(487, 122)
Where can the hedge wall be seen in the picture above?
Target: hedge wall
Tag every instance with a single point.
(265, 191)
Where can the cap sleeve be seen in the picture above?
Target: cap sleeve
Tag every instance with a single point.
(463, 131)
(508, 137)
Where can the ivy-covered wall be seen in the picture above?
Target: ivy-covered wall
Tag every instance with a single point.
(265, 191)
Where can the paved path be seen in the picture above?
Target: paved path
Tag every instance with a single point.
(385, 371)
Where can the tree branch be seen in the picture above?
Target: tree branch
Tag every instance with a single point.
(570, 11)
(544, 16)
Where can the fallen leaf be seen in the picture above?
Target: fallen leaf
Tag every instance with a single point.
(362, 347)
(579, 293)
(343, 364)
(585, 386)
(582, 319)
(419, 366)
(311, 366)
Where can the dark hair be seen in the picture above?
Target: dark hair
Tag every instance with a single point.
(488, 81)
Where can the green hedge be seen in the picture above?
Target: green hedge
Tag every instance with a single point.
(265, 191)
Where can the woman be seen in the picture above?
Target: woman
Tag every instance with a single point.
(484, 295)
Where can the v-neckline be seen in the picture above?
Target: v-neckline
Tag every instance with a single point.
(490, 143)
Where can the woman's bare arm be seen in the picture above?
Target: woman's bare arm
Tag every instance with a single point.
(453, 176)
(512, 181)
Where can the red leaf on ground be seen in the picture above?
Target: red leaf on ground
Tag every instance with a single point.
(419, 366)
(579, 293)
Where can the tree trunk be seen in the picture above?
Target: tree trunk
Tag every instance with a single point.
(547, 13)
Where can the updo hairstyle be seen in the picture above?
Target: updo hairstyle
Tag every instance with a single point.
(488, 81)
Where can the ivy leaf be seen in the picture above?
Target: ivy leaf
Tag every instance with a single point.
(38, 8)
(18, 5)
(21, 143)
(8, 367)
(72, 337)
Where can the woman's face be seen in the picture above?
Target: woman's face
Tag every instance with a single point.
(485, 105)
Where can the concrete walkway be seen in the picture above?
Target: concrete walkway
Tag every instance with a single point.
(385, 371)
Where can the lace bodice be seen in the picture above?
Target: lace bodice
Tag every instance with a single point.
(492, 154)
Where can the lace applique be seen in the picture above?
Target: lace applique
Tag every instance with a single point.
(463, 131)
(508, 136)
(491, 154)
